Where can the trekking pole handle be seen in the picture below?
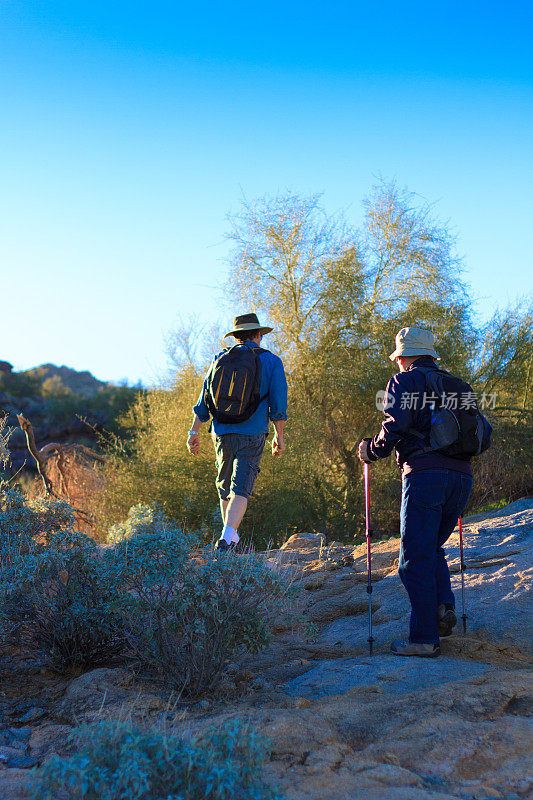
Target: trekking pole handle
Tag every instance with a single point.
(366, 469)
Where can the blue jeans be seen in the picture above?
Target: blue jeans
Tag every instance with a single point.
(432, 502)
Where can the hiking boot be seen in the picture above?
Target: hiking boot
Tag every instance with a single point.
(447, 619)
(222, 546)
(415, 649)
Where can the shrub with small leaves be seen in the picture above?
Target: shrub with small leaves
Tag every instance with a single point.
(25, 524)
(153, 596)
(187, 616)
(185, 611)
(61, 601)
(118, 761)
(142, 518)
(57, 592)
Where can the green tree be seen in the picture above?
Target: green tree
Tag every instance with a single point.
(337, 297)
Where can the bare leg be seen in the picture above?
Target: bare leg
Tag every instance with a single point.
(223, 510)
(235, 511)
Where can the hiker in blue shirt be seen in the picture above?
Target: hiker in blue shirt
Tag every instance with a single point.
(244, 389)
(436, 480)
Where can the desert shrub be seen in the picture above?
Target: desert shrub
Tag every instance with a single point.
(505, 471)
(151, 597)
(20, 384)
(101, 410)
(25, 524)
(65, 597)
(141, 518)
(117, 761)
(60, 601)
(57, 593)
(186, 616)
(152, 463)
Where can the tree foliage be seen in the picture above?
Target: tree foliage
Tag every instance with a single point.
(336, 297)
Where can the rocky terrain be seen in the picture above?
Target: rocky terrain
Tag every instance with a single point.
(342, 724)
(78, 382)
(64, 405)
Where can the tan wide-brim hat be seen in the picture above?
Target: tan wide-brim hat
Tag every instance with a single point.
(247, 322)
(414, 342)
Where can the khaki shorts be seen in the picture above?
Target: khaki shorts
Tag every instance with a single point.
(238, 456)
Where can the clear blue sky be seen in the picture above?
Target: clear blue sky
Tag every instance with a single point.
(129, 130)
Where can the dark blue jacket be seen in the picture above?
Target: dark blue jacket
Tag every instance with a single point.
(404, 410)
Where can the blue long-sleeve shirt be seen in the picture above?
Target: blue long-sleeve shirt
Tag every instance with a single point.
(273, 391)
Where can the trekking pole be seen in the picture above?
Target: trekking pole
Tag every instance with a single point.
(368, 533)
(462, 570)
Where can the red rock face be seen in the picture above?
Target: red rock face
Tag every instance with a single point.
(5, 366)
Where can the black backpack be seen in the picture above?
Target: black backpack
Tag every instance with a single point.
(232, 393)
(458, 428)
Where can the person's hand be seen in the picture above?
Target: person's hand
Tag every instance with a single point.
(193, 444)
(278, 445)
(363, 451)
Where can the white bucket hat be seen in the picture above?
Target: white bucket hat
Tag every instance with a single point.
(414, 342)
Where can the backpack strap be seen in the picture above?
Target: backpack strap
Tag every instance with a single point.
(425, 369)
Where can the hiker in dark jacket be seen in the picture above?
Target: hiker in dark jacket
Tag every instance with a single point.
(239, 445)
(435, 490)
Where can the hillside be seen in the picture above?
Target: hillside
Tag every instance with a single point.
(63, 405)
(80, 383)
(342, 725)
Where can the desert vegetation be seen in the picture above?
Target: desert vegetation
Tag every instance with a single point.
(154, 597)
(118, 760)
(153, 600)
(336, 297)
(137, 591)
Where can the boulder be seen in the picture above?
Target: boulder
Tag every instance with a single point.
(108, 692)
(93, 691)
(304, 541)
(50, 739)
(384, 674)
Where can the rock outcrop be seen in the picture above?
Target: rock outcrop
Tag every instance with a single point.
(63, 405)
(409, 729)
(344, 725)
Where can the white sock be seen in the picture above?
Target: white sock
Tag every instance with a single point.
(229, 534)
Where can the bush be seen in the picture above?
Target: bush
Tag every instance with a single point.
(25, 525)
(57, 593)
(141, 518)
(151, 597)
(153, 464)
(186, 616)
(60, 601)
(64, 597)
(117, 761)
(505, 470)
